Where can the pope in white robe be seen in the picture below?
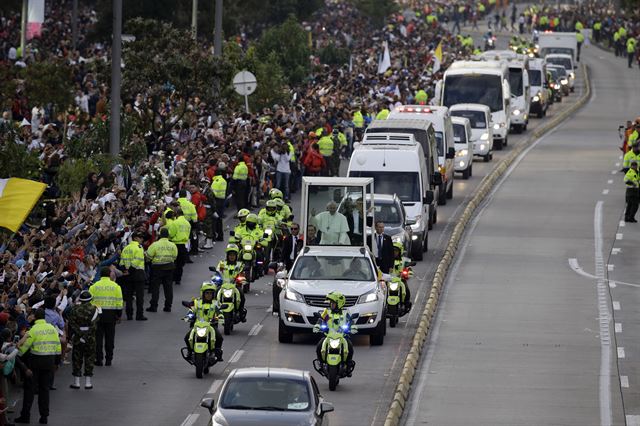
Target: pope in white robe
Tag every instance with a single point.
(333, 226)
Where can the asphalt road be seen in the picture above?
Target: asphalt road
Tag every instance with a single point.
(150, 384)
(525, 333)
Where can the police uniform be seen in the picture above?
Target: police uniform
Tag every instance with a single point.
(82, 322)
(191, 214)
(132, 259)
(219, 188)
(107, 296)
(41, 348)
(162, 254)
(179, 232)
(240, 184)
(632, 196)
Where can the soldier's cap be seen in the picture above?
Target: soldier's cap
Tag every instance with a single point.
(85, 296)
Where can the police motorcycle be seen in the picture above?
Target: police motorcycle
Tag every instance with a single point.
(229, 298)
(201, 351)
(397, 303)
(335, 351)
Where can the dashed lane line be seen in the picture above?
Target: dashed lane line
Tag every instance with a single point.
(605, 191)
(236, 356)
(215, 386)
(621, 353)
(616, 305)
(190, 420)
(618, 327)
(624, 381)
(255, 330)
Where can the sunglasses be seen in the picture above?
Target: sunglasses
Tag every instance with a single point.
(295, 229)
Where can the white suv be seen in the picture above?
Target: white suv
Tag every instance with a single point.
(320, 270)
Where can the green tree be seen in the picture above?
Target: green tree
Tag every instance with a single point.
(7, 85)
(377, 10)
(16, 161)
(289, 43)
(333, 55)
(48, 83)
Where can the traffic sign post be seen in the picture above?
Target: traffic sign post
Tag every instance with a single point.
(245, 84)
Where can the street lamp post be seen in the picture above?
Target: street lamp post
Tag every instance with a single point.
(217, 35)
(116, 78)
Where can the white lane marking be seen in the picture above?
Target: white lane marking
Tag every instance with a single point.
(605, 191)
(613, 172)
(616, 250)
(255, 330)
(621, 353)
(633, 420)
(215, 386)
(616, 305)
(618, 326)
(236, 356)
(573, 263)
(270, 308)
(618, 164)
(190, 420)
(610, 267)
(620, 157)
(622, 224)
(612, 284)
(605, 319)
(610, 181)
(619, 235)
(624, 383)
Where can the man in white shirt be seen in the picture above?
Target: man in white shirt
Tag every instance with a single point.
(282, 157)
(333, 226)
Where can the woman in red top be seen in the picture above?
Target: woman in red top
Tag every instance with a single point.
(313, 161)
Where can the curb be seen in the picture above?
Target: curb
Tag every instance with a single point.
(412, 360)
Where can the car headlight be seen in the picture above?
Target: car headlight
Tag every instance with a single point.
(462, 153)
(293, 295)
(393, 286)
(482, 146)
(372, 296)
(496, 126)
(201, 332)
(564, 81)
(248, 247)
(536, 98)
(227, 292)
(461, 164)
(484, 137)
(334, 343)
(516, 112)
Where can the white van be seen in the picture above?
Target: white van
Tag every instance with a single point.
(486, 83)
(566, 62)
(463, 163)
(396, 163)
(520, 94)
(553, 42)
(481, 128)
(539, 92)
(439, 117)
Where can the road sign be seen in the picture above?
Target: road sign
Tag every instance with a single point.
(245, 83)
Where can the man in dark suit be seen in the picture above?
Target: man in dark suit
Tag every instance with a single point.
(382, 248)
(356, 222)
(291, 245)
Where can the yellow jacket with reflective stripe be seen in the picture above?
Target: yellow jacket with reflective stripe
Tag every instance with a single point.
(162, 252)
(630, 155)
(43, 339)
(219, 187)
(358, 120)
(631, 179)
(326, 146)
(188, 209)
(292, 151)
(132, 256)
(181, 230)
(106, 294)
(241, 171)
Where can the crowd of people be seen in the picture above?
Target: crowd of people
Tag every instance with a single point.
(218, 161)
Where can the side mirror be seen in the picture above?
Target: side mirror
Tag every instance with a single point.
(186, 304)
(428, 199)
(436, 179)
(213, 269)
(317, 315)
(326, 407)
(210, 404)
(232, 233)
(410, 222)
(575, 66)
(451, 153)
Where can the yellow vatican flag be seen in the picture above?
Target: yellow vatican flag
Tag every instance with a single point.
(437, 58)
(17, 198)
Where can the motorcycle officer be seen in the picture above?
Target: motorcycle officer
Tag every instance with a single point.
(229, 270)
(399, 263)
(206, 308)
(333, 318)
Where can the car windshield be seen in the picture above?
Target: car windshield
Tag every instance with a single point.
(406, 185)
(458, 133)
(553, 72)
(342, 268)
(515, 81)
(440, 143)
(535, 77)
(473, 89)
(549, 50)
(268, 394)
(565, 62)
(561, 72)
(389, 213)
(476, 118)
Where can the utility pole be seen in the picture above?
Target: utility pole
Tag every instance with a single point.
(194, 19)
(74, 24)
(23, 28)
(217, 35)
(116, 78)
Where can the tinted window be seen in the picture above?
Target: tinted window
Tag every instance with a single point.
(473, 89)
(458, 133)
(343, 268)
(535, 77)
(515, 81)
(476, 118)
(440, 143)
(388, 213)
(565, 62)
(266, 394)
(405, 185)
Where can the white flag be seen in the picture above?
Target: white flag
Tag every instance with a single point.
(385, 61)
(35, 18)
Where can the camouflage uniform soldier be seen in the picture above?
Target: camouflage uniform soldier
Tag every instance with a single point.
(82, 325)
(209, 220)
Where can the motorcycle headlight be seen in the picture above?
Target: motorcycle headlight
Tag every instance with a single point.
(572, 75)
(268, 231)
(248, 247)
(227, 292)
(397, 238)
(496, 126)
(293, 295)
(372, 296)
(393, 286)
(334, 343)
(536, 98)
(201, 332)
(516, 112)
(462, 153)
(484, 137)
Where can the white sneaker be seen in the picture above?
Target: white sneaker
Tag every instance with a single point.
(76, 383)
(208, 244)
(87, 383)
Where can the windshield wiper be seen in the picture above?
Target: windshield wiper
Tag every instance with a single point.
(270, 408)
(238, 407)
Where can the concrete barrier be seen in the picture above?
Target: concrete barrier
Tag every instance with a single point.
(403, 387)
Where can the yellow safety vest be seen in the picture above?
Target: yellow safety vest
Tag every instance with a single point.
(326, 146)
(241, 171)
(106, 294)
(631, 45)
(162, 252)
(292, 151)
(181, 230)
(188, 209)
(579, 37)
(132, 256)
(43, 339)
(631, 179)
(219, 187)
(630, 155)
(358, 120)
(382, 115)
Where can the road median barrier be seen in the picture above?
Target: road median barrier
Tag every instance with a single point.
(412, 360)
